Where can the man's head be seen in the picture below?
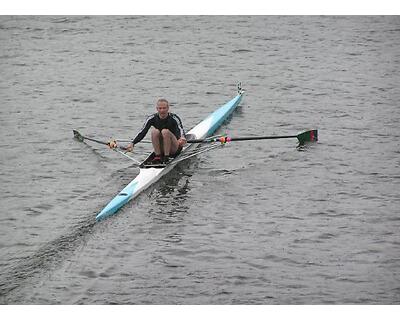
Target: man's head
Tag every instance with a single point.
(162, 107)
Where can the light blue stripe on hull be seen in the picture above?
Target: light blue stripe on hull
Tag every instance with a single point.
(119, 201)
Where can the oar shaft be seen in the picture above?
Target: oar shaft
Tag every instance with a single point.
(81, 138)
(228, 139)
(262, 138)
(94, 140)
(125, 155)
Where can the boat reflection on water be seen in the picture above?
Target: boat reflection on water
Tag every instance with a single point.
(169, 198)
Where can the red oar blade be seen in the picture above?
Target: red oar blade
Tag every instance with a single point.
(308, 136)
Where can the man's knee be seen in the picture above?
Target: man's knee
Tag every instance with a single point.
(155, 133)
(165, 132)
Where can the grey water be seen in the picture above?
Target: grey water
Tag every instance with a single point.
(251, 223)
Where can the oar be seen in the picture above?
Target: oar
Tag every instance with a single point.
(307, 136)
(81, 138)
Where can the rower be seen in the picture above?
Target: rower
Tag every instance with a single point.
(167, 136)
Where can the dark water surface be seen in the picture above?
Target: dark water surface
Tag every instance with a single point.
(255, 222)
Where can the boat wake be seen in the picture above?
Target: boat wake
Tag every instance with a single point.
(47, 258)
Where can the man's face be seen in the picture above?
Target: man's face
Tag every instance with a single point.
(162, 109)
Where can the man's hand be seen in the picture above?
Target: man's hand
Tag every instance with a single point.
(129, 147)
(112, 144)
(182, 142)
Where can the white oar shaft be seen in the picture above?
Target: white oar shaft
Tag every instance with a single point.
(125, 155)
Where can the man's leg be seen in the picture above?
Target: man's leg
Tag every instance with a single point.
(156, 141)
(170, 143)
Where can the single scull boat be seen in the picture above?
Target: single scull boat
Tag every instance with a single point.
(149, 174)
(199, 140)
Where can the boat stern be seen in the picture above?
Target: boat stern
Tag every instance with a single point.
(119, 200)
(141, 182)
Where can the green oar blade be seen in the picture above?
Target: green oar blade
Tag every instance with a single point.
(78, 136)
(308, 136)
(81, 138)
